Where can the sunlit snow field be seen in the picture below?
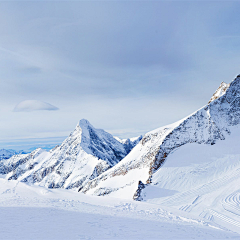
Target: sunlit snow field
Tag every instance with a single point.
(37, 213)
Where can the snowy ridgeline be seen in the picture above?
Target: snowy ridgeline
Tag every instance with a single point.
(84, 155)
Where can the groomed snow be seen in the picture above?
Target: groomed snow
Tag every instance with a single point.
(203, 180)
(32, 212)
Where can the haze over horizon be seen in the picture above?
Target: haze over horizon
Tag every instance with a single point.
(128, 67)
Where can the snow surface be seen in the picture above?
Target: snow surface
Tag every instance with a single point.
(205, 179)
(32, 212)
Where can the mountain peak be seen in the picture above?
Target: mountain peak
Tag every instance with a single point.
(84, 123)
(83, 155)
(220, 91)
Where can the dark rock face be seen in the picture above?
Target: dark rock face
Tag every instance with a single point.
(129, 145)
(101, 144)
(137, 194)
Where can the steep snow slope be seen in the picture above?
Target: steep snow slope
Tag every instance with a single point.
(7, 153)
(207, 126)
(85, 154)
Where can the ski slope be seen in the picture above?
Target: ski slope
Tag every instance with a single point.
(202, 180)
(34, 212)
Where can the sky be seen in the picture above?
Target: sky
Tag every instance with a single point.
(127, 66)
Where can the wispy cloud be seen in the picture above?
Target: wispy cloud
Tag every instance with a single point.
(33, 105)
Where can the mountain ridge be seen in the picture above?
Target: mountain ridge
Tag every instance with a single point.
(205, 126)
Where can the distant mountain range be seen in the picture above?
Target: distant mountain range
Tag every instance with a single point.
(7, 153)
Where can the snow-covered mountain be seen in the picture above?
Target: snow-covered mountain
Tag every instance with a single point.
(7, 153)
(129, 143)
(216, 121)
(84, 155)
(191, 167)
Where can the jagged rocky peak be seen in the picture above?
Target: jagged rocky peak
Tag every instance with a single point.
(84, 123)
(84, 154)
(220, 91)
(100, 144)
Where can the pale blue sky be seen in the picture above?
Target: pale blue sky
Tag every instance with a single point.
(127, 66)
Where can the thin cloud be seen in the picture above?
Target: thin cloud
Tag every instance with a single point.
(33, 105)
